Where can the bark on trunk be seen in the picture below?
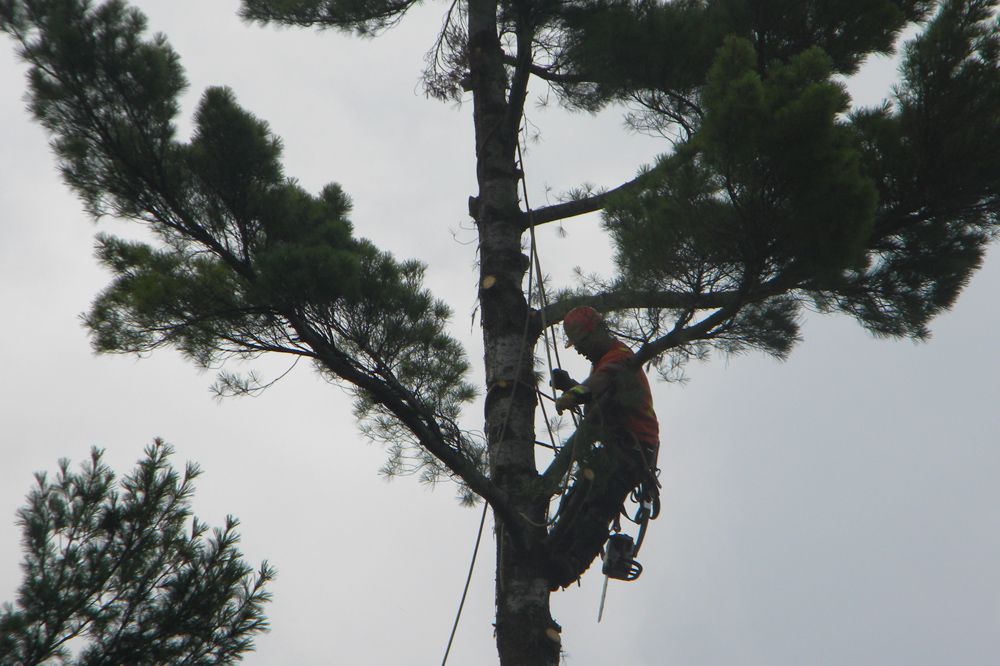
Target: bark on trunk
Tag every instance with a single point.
(526, 634)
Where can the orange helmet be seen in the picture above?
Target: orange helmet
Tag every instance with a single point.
(579, 322)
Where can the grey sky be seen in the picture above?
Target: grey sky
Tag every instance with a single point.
(838, 509)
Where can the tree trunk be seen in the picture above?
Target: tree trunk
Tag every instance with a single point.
(526, 634)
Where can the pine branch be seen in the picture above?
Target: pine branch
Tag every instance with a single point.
(575, 207)
(544, 73)
(704, 329)
(627, 299)
(121, 572)
(522, 73)
(363, 18)
(423, 426)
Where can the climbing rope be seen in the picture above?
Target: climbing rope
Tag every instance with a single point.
(468, 580)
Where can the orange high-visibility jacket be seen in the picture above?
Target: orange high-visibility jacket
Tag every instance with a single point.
(633, 399)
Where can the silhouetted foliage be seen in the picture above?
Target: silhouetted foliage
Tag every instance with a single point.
(122, 573)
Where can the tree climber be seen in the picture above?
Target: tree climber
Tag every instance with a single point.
(631, 405)
(620, 416)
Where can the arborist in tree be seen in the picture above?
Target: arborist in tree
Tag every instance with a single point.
(631, 406)
(620, 416)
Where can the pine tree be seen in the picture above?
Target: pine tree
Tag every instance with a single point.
(775, 195)
(129, 577)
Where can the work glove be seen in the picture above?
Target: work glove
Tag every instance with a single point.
(577, 395)
(561, 381)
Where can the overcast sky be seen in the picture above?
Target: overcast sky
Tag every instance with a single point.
(840, 509)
